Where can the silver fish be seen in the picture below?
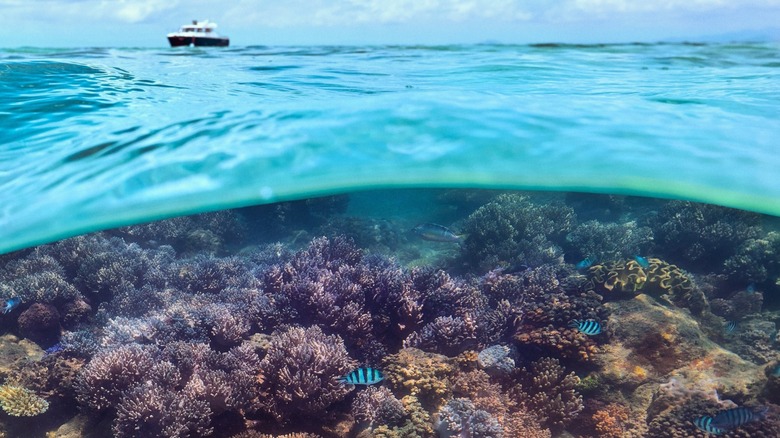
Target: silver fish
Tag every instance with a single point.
(435, 233)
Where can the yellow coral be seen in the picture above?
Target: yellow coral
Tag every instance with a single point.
(639, 372)
(659, 277)
(423, 375)
(21, 402)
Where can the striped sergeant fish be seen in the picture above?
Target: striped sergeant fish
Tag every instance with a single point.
(589, 327)
(363, 376)
(435, 233)
(705, 423)
(735, 417)
(730, 327)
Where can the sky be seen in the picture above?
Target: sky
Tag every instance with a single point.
(144, 23)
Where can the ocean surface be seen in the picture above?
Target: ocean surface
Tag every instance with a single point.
(94, 138)
(491, 241)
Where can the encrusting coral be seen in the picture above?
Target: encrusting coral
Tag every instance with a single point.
(21, 402)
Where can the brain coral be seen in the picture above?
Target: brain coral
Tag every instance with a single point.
(21, 402)
(658, 279)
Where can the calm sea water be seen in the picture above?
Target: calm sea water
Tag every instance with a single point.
(94, 138)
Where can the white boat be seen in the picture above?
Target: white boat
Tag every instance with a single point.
(199, 33)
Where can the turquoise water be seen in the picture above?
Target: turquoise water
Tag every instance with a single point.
(96, 138)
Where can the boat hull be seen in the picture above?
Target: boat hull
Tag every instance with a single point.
(178, 41)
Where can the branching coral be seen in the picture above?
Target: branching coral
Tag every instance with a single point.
(377, 406)
(609, 241)
(151, 409)
(300, 372)
(512, 230)
(104, 380)
(702, 236)
(546, 391)
(21, 402)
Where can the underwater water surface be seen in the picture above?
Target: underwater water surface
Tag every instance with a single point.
(96, 138)
(361, 262)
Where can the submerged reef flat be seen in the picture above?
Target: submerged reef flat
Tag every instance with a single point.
(541, 315)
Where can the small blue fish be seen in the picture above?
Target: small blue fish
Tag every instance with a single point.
(589, 327)
(705, 423)
(730, 327)
(11, 304)
(54, 349)
(585, 263)
(363, 376)
(751, 288)
(435, 233)
(735, 417)
(643, 262)
(776, 371)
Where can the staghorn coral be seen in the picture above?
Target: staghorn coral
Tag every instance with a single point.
(21, 402)
(445, 335)
(512, 230)
(547, 392)
(151, 409)
(377, 406)
(104, 380)
(300, 372)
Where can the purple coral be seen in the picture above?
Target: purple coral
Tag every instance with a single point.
(40, 323)
(105, 379)
(151, 409)
(300, 372)
(377, 406)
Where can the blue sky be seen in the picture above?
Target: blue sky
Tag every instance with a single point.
(144, 23)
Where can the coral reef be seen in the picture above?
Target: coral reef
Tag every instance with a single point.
(377, 406)
(608, 241)
(512, 230)
(659, 278)
(163, 330)
(300, 371)
(701, 236)
(546, 391)
(21, 402)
